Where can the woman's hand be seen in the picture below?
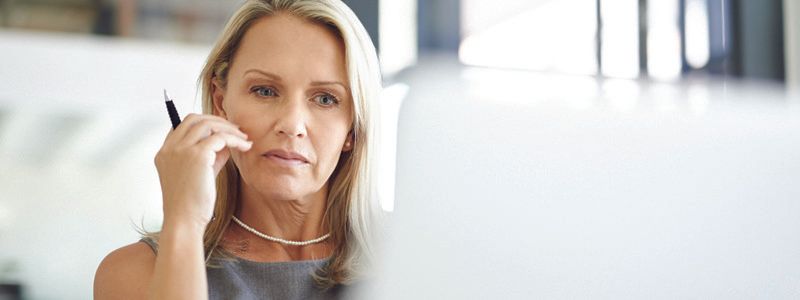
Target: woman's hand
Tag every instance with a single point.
(188, 163)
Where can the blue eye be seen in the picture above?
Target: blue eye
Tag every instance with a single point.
(263, 91)
(326, 100)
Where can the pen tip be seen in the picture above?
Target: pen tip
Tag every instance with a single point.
(166, 97)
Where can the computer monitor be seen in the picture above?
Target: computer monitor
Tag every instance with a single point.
(514, 185)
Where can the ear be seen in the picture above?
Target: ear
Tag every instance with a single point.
(217, 97)
(348, 142)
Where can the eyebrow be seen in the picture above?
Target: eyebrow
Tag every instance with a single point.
(278, 78)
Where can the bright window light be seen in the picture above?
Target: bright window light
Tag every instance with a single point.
(543, 35)
(397, 26)
(663, 40)
(697, 40)
(391, 99)
(620, 36)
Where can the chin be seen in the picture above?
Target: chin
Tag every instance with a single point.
(281, 188)
(282, 194)
(277, 184)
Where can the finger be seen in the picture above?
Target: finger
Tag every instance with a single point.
(193, 120)
(221, 159)
(207, 128)
(175, 135)
(218, 141)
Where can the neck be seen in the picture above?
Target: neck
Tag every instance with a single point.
(291, 219)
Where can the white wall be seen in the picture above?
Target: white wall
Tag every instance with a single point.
(80, 121)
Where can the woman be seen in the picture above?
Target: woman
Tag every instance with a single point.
(288, 134)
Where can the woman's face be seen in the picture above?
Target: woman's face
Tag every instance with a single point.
(287, 89)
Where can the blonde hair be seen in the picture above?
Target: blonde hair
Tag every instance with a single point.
(353, 209)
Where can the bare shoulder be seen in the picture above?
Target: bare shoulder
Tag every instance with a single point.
(125, 273)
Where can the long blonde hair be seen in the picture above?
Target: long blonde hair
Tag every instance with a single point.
(353, 209)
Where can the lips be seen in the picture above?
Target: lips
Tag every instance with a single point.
(287, 156)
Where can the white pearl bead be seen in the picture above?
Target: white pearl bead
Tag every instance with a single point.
(279, 240)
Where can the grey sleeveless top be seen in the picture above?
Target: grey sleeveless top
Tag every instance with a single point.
(244, 279)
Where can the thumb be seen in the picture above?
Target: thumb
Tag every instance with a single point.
(222, 157)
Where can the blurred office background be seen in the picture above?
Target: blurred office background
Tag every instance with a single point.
(81, 115)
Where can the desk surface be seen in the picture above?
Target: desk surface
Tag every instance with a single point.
(524, 185)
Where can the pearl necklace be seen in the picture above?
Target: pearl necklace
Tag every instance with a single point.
(280, 240)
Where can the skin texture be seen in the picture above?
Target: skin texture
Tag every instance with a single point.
(292, 96)
(287, 90)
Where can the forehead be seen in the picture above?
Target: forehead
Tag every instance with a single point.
(291, 47)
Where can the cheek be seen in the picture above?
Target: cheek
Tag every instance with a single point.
(250, 122)
(238, 107)
(332, 154)
(331, 149)
(240, 116)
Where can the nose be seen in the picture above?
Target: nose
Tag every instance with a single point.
(291, 120)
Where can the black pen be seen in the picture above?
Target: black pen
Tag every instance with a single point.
(173, 114)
